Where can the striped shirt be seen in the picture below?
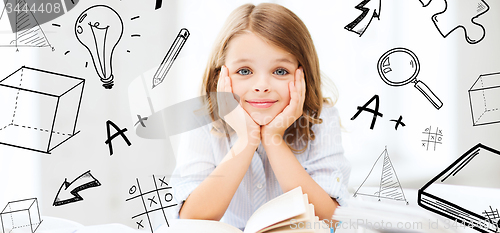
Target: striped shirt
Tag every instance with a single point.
(201, 151)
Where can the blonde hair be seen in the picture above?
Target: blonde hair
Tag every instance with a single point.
(282, 28)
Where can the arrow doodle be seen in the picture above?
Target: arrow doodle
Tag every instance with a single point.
(371, 9)
(85, 181)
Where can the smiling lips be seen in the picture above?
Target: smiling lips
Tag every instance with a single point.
(261, 103)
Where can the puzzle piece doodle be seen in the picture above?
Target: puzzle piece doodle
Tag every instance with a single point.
(461, 14)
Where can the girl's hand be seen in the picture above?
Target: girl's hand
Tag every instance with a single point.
(292, 112)
(247, 130)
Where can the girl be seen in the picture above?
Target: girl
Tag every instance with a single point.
(283, 133)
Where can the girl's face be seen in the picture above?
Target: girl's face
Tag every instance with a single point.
(260, 73)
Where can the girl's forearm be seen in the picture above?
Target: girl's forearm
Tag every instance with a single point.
(291, 174)
(212, 197)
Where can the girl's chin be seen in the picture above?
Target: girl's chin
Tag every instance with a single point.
(261, 119)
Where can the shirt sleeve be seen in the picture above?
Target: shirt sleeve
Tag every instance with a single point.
(326, 163)
(195, 161)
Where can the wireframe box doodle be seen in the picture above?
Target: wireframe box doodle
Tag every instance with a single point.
(39, 109)
(484, 98)
(21, 216)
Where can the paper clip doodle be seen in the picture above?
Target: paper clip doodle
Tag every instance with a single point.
(155, 200)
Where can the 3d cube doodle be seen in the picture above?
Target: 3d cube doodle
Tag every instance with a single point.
(39, 109)
(484, 98)
(21, 216)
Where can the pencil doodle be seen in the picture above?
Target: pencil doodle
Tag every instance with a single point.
(371, 10)
(40, 109)
(400, 66)
(389, 186)
(100, 28)
(69, 191)
(157, 199)
(26, 28)
(110, 137)
(169, 59)
(484, 97)
(432, 138)
(444, 195)
(21, 215)
(461, 14)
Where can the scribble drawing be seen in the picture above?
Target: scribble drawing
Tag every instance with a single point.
(400, 66)
(493, 216)
(432, 138)
(22, 215)
(157, 199)
(39, 109)
(461, 14)
(484, 97)
(476, 171)
(69, 191)
(389, 187)
(371, 9)
(25, 27)
(99, 28)
(169, 59)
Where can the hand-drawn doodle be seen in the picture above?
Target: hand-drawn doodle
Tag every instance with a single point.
(400, 66)
(110, 137)
(460, 14)
(158, 4)
(493, 216)
(39, 109)
(390, 187)
(399, 121)
(69, 191)
(375, 111)
(432, 138)
(444, 194)
(41, 10)
(484, 97)
(169, 59)
(99, 28)
(24, 25)
(21, 215)
(157, 199)
(371, 9)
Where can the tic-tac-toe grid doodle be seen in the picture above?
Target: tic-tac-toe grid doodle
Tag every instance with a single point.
(155, 200)
(432, 139)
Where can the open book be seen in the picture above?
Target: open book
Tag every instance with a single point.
(289, 212)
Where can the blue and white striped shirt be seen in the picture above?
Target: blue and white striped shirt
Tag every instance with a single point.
(200, 152)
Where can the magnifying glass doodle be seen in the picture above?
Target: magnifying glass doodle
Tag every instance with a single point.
(400, 66)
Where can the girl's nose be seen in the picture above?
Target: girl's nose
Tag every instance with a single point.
(259, 89)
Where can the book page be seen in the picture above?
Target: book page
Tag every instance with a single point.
(308, 216)
(197, 226)
(285, 206)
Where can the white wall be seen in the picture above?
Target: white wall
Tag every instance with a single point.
(449, 66)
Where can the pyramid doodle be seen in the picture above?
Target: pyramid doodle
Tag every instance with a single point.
(389, 187)
(27, 30)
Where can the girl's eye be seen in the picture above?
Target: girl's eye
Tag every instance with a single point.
(281, 71)
(244, 71)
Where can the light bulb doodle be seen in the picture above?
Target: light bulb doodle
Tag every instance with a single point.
(99, 28)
